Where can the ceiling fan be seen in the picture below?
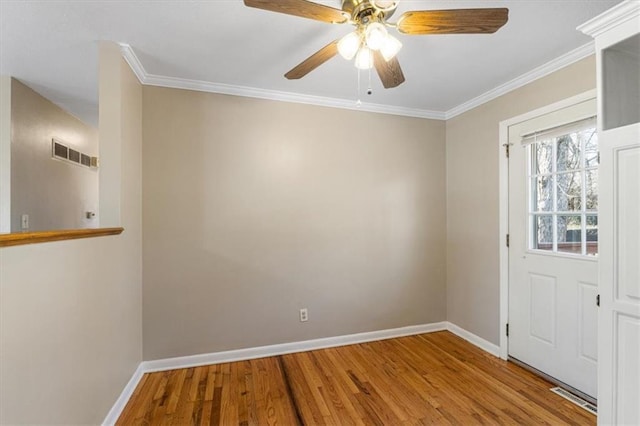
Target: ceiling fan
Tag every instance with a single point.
(370, 43)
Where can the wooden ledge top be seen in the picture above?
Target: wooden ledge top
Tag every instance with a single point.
(22, 238)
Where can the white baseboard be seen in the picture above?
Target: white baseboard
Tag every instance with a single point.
(473, 339)
(287, 348)
(121, 402)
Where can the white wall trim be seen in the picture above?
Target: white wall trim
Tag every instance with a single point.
(251, 92)
(121, 402)
(132, 59)
(503, 200)
(503, 229)
(287, 348)
(226, 89)
(613, 17)
(535, 74)
(315, 344)
(564, 103)
(282, 349)
(478, 341)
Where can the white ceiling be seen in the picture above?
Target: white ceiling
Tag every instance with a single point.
(52, 47)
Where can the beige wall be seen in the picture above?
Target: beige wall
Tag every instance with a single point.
(55, 194)
(253, 209)
(472, 195)
(70, 311)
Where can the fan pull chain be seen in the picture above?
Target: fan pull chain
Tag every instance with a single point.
(369, 90)
(359, 102)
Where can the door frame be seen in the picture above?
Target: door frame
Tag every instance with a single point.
(503, 197)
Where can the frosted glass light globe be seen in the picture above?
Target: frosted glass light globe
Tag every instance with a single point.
(364, 58)
(348, 45)
(375, 35)
(390, 47)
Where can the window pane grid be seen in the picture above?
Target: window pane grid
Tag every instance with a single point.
(563, 177)
(549, 175)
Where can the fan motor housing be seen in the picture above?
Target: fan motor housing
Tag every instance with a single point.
(363, 8)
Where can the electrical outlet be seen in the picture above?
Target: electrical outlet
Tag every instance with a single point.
(25, 221)
(304, 315)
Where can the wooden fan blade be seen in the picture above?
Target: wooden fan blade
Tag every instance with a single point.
(302, 8)
(389, 72)
(313, 61)
(456, 21)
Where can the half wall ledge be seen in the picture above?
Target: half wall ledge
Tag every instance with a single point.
(22, 238)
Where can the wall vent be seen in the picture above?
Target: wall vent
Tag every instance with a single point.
(63, 152)
(575, 399)
(60, 150)
(74, 155)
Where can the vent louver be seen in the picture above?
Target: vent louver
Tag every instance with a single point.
(74, 155)
(61, 151)
(575, 399)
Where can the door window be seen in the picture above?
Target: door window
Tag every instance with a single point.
(563, 192)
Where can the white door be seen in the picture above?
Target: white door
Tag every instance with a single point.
(553, 228)
(620, 277)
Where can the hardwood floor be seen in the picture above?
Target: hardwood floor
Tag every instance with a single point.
(434, 378)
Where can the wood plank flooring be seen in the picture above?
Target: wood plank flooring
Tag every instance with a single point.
(434, 378)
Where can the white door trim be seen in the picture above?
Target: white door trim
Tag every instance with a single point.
(503, 229)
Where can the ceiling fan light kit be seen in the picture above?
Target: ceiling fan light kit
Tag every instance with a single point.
(364, 58)
(390, 47)
(348, 45)
(375, 35)
(370, 43)
(360, 43)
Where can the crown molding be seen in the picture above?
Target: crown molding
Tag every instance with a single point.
(613, 17)
(136, 66)
(251, 92)
(529, 77)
